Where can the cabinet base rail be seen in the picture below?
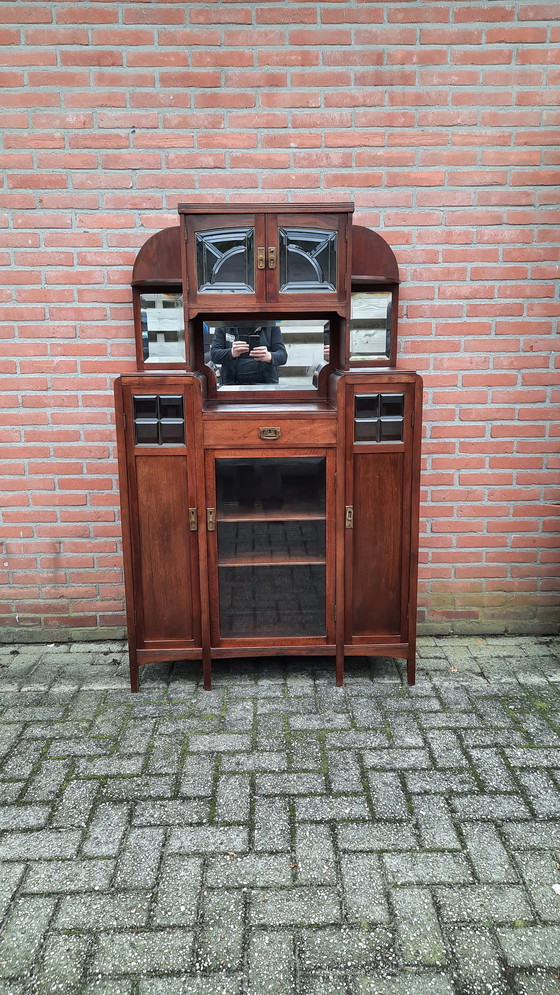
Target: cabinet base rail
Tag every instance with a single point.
(142, 657)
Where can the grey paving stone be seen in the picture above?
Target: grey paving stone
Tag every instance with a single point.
(406, 984)
(220, 940)
(315, 856)
(484, 903)
(139, 857)
(357, 739)
(209, 839)
(531, 946)
(258, 761)
(177, 812)
(252, 870)
(395, 759)
(364, 891)
(106, 830)
(541, 791)
(141, 953)
(351, 948)
(197, 780)
(344, 771)
(272, 963)
(290, 784)
(306, 752)
(133, 788)
(95, 912)
(179, 884)
(477, 958)
(113, 767)
(435, 824)
(536, 983)
(10, 877)
(75, 804)
(50, 876)
(495, 807)
(233, 798)
(340, 808)
(532, 756)
(23, 931)
(389, 799)
(22, 759)
(388, 835)
(272, 825)
(296, 906)
(42, 843)
(487, 853)
(419, 936)
(23, 816)
(491, 770)
(218, 983)
(427, 868)
(219, 743)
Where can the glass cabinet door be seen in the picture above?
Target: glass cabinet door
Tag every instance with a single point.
(271, 547)
(308, 260)
(225, 260)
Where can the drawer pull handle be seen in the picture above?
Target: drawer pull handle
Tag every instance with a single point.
(269, 433)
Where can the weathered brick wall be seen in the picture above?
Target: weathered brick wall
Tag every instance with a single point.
(439, 120)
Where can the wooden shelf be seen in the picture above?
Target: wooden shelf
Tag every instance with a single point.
(271, 515)
(275, 559)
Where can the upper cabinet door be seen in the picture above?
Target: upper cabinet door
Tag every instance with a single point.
(225, 259)
(241, 261)
(307, 255)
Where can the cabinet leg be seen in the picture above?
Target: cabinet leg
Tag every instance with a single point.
(207, 669)
(339, 667)
(411, 666)
(134, 671)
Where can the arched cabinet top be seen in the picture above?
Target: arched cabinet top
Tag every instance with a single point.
(158, 262)
(373, 260)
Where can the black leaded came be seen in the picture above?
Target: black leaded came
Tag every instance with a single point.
(379, 418)
(159, 420)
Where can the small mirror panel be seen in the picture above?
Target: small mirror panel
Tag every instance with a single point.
(163, 328)
(370, 326)
(299, 349)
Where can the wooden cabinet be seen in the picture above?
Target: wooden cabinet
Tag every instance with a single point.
(266, 522)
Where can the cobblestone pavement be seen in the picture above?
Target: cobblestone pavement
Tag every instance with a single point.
(277, 834)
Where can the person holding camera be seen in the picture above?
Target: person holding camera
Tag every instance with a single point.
(248, 355)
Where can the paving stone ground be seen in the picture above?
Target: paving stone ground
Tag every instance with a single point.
(278, 835)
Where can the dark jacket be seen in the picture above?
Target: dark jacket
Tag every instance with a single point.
(245, 370)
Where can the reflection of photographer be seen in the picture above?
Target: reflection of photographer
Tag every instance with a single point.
(248, 355)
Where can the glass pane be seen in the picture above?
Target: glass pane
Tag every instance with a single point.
(271, 541)
(272, 601)
(172, 430)
(391, 429)
(290, 486)
(367, 405)
(392, 404)
(170, 406)
(225, 261)
(163, 328)
(299, 349)
(307, 259)
(146, 432)
(366, 430)
(370, 326)
(145, 405)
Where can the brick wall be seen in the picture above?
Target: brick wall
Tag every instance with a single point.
(438, 119)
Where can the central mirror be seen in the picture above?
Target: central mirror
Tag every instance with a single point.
(270, 354)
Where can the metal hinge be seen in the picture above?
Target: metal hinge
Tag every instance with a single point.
(335, 481)
(193, 520)
(412, 418)
(335, 613)
(124, 420)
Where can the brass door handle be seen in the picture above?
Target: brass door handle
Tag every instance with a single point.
(272, 257)
(349, 517)
(211, 519)
(270, 433)
(261, 257)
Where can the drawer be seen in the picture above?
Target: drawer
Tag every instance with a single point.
(269, 432)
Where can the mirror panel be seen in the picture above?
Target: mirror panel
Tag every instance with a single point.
(163, 328)
(370, 326)
(299, 349)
